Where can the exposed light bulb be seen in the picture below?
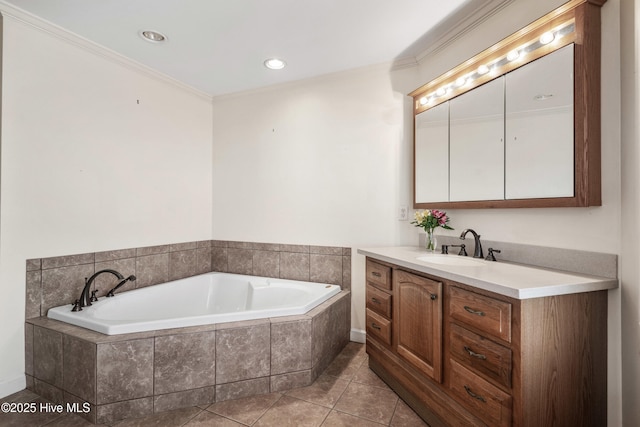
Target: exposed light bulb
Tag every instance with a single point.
(441, 91)
(513, 55)
(424, 100)
(461, 81)
(547, 38)
(483, 69)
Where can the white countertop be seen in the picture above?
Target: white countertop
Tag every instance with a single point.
(512, 280)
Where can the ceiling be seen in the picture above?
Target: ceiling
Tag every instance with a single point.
(218, 46)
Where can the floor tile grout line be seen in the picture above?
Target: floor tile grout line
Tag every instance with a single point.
(240, 422)
(267, 410)
(325, 417)
(360, 418)
(191, 419)
(333, 408)
(395, 408)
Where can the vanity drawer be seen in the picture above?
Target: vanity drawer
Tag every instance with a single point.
(379, 301)
(484, 313)
(483, 399)
(379, 327)
(481, 354)
(378, 275)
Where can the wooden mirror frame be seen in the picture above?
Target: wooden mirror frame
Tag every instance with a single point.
(586, 37)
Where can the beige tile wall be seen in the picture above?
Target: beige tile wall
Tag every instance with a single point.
(59, 280)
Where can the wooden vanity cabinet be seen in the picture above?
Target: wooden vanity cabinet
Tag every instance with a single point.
(378, 305)
(418, 322)
(462, 356)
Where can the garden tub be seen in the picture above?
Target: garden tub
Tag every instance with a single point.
(199, 300)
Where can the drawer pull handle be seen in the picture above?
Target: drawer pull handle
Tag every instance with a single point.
(375, 273)
(474, 354)
(472, 311)
(374, 326)
(375, 300)
(475, 396)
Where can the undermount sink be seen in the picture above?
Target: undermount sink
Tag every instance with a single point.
(453, 260)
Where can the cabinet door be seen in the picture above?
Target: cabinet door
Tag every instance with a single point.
(417, 319)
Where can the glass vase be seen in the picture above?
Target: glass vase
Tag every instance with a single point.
(431, 241)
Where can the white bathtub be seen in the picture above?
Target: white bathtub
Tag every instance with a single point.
(200, 300)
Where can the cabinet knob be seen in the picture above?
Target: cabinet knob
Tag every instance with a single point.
(433, 296)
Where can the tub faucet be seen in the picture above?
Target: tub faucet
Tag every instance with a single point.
(122, 282)
(477, 253)
(86, 300)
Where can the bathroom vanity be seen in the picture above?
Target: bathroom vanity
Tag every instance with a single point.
(466, 341)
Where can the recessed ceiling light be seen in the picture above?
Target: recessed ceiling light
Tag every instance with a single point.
(153, 36)
(274, 64)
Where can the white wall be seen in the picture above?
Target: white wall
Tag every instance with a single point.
(322, 162)
(630, 249)
(86, 168)
(593, 229)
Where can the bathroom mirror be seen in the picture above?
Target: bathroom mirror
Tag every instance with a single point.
(431, 153)
(524, 120)
(539, 128)
(476, 143)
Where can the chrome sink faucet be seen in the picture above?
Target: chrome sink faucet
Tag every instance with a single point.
(86, 300)
(477, 253)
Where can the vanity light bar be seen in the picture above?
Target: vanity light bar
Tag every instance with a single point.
(520, 54)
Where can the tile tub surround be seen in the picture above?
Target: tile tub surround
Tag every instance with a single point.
(133, 375)
(340, 396)
(56, 281)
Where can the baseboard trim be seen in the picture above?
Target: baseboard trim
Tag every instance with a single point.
(358, 335)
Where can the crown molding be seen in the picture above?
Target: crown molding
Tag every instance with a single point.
(9, 11)
(406, 62)
(461, 22)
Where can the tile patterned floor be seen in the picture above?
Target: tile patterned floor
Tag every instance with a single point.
(347, 394)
